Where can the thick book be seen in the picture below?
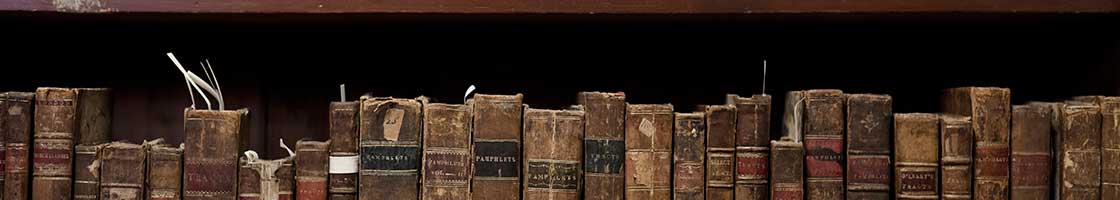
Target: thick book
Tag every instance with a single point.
(16, 128)
(603, 145)
(164, 179)
(720, 165)
(265, 179)
(788, 175)
(688, 156)
(55, 128)
(344, 160)
(552, 165)
(1110, 143)
(497, 146)
(1079, 151)
(915, 155)
(389, 132)
(990, 110)
(824, 143)
(752, 146)
(311, 169)
(1031, 152)
(868, 146)
(447, 159)
(649, 140)
(94, 115)
(213, 140)
(956, 157)
(86, 181)
(122, 166)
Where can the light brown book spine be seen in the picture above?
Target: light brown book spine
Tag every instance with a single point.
(55, 127)
(165, 173)
(720, 171)
(122, 171)
(956, 157)
(497, 146)
(868, 175)
(604, 146)
(788, 175)
(213, 140)
(390, 131)
(688, 156)
(990, 109)
(824, 144)
(649, 139)
(16, 124)
(1110, 147)
(86, 182)
(446, 172)
(343, 175)
(1080, 151)
(752, 146)
(311, 169)
(552, 165)
(916, 147)
(1030, 152)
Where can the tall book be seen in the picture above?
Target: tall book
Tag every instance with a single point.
(497, 146)
(868, 146)
(164, 179)
(15, 126)
(788, 177)
(344, 160)
(688, 156)
(1030, 152)
(990, 110)
(390, 131)
(649, 140)
(213, 140)
(915, 154)
(1080, 151)
(94, 115)
(552, 165)
(604, 147)
(447, 152)
(55, 127)
(1110, 147)
(265, 179)
(86, 183)
(824, 143)
(752, 146)
(956, 157)
(720, 165)
(122, 167)
(311, 169)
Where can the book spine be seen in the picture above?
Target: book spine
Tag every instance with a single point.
(344, 158)
(956, 157)
(16, 125)
(688, 156)
(86, 182)
(990, 110)
(1080, 151)
(497, 146)
(752, 147)
(824, 144)
(95, 114)
(720, 170)
(311, 169)
(552, 170)
(1110, 147)
(603, 145)
(788, 175)
(447, 152)
(55, 124)
(916, 147)
(121, 162)
(165, 173)
(649, 130)
(286, 179)
(1030, 152)
(265, 179)
(248, 182)
(212, 142)
(389, 133)
(868, 146)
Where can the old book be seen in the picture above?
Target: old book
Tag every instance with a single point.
(94, 115)
(311, 169)
(122, 167)
(868, 146)
(497, 146)
(1110, 147)
(552, 166)
(649, 140)
(720, 165)
(212, 142)
(265, 179)
(286, 176)
(752, 146)
(86, 182)
(990, 110)
(915, 153)
(1080, 151)
(447, 152)
(1030, 152)
(824, 143)
(603, 145)
(15, 126)
(165, 172)
(956, 157)
(389, 132)
(55, 127)
(688, 156)
(344, 160)
(789, 160)
(248, 182)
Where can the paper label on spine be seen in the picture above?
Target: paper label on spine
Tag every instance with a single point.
(343, 164)
(391, 126)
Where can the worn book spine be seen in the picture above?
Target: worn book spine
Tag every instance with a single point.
(15, 124)
(86, 182)
(94, 115)
(497, 146)
(1080, 151)
(824, 144)
(915, 153)
(990, 110)
(165, 173)
(788, 175)
(4, 102)
(311, 169)
(752, 146)
(956, 157)
(122, 176)
(212, 142)
(248, 182)
(389, 133)
(447, 152)
(552, 167)
(868, 146)
(688, 156)
(265, 179)
(649, 140)
(1110, 147)
(603, 145)
(343, 172)
(55, 126)
(1030, 152)
(720, 165)
(286, 178)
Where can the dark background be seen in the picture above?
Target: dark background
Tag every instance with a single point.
(286, 67)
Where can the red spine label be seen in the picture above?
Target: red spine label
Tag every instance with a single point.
(210, 177)
(16, 159)
(875, 170)
(311, 189)
(992, 161)
(52, 157)
(1030, 170)
(788, 193)
(823, 156)
(752, 165)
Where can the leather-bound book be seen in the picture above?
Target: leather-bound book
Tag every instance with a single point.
(311, 169)
(95, 114)
(915, 153)
(122, 167)
(868, 146)
(1031, 148)
(1110, 143)
(497, 146)
(212, 142)
(788, 175)
(649, 141)
(720, 165)
(447, 159)
(55, 128)
(824, 143)
(552, 164)
(956, 157)
(390, 131)
(1079, 151)
(343, 173)
(688, 156)
(265, 179)
(752, 146)
(990, 110)
(603, 145)
(165, 172)
(16, 128)
(86, 181)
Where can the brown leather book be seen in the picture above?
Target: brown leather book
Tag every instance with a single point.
(552, 165)
(343, 173)
(915, 153)
(1110, 147)
(1030, 152)
(752, 146)
(95, 114)
(390, 131)
(265, 179)
(824, 143)
(720, 168)
(497, 146)
(55, 127)
(248, 182)
(990, 109)
(165, 172)
(788, 175)
(868, 146)
(122, 167)
(213, 140)
(1080, 151)
(311, 169)
(86, 181)
(15, 124)
(447, 152)
(603, 145)
(649, 140)
(956, 157)
(688, 156)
